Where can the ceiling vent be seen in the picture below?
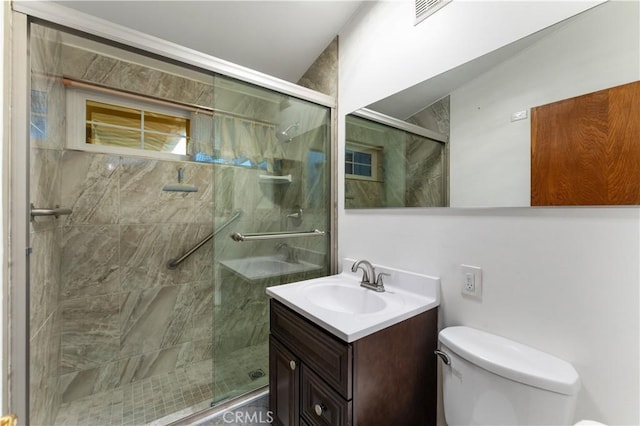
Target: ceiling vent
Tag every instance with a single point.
(425, 8)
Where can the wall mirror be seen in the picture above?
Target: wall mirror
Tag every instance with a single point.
(392, 163)
(483, 107)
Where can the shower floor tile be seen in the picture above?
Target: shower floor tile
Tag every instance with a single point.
(232, 376)
(143, 401)
(165, 398)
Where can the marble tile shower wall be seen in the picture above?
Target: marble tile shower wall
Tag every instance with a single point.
(323, 73)
(425, 173)
(266, 204)
(435, 117)
(309, 188)
(89, 66)
(241, 304)
(47, 136)
(105, 310)
(125, 316)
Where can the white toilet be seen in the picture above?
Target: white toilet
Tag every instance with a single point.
(490, 380)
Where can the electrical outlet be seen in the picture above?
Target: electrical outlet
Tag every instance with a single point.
(471, 281)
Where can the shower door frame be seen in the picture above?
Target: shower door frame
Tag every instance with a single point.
(17, 304)
(16, 334)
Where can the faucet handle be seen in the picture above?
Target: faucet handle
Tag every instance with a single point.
(379, 278)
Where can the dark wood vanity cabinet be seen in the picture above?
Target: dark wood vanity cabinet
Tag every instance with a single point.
(284, 383)
(386, 378)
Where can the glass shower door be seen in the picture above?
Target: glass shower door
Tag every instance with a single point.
(117, 336)
(138, 314)
(272, 152)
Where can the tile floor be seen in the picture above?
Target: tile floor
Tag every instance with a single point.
(164, 398)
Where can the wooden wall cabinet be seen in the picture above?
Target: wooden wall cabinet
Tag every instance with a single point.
(585, 151)
(386, 378)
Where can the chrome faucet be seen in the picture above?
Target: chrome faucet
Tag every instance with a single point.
(369, 279)
(290, 254)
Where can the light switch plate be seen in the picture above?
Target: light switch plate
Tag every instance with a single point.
(519, 115)
(471, 281)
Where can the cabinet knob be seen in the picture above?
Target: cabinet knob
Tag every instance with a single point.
(319, 408)
(292, 364)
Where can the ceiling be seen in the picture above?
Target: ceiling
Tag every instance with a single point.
(279, 38)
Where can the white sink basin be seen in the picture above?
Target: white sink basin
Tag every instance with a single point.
(340, 297)
(340, 305)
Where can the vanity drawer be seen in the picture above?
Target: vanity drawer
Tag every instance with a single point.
(320, 404)
(324, 353)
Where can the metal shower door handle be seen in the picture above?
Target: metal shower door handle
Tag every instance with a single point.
(57, 212)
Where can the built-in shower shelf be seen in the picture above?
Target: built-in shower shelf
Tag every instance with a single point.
(275, 179)
(261, 267)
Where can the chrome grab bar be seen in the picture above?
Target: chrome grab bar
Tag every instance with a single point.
(57, 212)
(173, 263)
(275, 235)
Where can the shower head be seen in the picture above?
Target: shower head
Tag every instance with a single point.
(284, 136)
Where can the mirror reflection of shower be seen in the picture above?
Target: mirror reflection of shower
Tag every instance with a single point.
(284, 136)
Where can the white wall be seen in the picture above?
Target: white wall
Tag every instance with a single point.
(490, 155)
(382, 52)
(564, 280)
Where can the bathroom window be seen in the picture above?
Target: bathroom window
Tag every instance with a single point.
(112, 124)
(39, 111)
(362, 162)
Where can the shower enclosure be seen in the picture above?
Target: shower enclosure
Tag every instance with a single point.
(165, 198)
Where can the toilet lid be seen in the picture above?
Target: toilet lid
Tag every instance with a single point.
(512, 360)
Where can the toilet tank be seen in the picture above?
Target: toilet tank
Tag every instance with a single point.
(491, 380)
